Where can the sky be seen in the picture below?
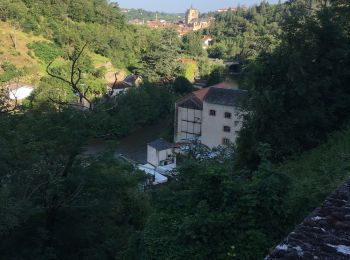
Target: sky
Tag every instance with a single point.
(180, 6)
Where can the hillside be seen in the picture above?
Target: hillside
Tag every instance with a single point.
(24, 58)
(21, 56)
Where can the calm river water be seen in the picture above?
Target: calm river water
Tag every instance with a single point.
(133, 146)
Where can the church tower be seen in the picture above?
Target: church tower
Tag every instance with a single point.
(192, 14)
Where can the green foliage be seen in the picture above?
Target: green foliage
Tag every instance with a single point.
(10, 72)
(45, 51)
(192, 44)
(208, 208)
(141, 14)
(182, 85)
(243, 34)
(159, 63)
(59, 198)
(154, 103)
(190, 70)
(301, 88)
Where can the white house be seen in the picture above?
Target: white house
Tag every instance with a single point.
(160, 153)
(129, 82)
(161, 160)
(211, 116)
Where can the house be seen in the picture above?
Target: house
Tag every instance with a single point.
(160, 153)
(161, 160)
(130, 81)
(19, 91)
(212, 116)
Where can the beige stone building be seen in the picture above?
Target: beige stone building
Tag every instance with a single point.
(192, 15)
(212, 116)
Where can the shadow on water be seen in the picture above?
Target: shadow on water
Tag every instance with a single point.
(133, 146)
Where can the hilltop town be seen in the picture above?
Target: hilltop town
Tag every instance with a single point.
(191, 22)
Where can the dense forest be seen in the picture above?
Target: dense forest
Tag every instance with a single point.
(56, 202)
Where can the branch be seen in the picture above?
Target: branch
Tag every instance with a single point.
(55, 76)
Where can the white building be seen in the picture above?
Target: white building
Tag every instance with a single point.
(129, 82)
(212, 116)
(160, 153)
(161, 160)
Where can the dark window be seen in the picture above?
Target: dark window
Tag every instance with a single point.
(228, 115)
(212, 112)
(225, 141)
(227, 128)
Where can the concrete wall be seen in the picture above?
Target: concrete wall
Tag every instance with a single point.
(213, 126)
(188, 124)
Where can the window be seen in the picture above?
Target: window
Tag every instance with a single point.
(227, 128)
(212, 112)
(225, 141)
(228, 115)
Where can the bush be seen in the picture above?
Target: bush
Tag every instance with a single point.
(45, 51)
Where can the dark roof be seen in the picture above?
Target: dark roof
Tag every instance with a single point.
(161, 144)
(191, 103)
(121, 85)
(227, 97)
(131, 79)
(325, 234)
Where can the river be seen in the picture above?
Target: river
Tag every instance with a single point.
(133, 146)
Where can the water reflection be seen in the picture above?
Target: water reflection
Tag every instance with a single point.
(133, 146)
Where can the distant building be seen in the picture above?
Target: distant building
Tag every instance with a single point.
(212, 116)
(192, 14)
(130, 81)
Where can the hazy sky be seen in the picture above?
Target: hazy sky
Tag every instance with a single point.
(180, 6)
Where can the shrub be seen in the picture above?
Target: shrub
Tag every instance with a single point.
(45, 51)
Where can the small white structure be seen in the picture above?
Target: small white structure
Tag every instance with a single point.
(160, 153)
(161, 160)
(19, 91)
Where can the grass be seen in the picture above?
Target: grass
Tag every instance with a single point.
(20, 56)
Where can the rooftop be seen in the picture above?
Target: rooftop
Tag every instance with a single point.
(161, 144)
(325, 234)
(195, 99)
(224, 96)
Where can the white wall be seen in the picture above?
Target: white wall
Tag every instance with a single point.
(152, 156)
(155, 157)
(212, 126)
(188, 130)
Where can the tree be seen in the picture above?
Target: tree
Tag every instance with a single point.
(299, 91)
(160, 63)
